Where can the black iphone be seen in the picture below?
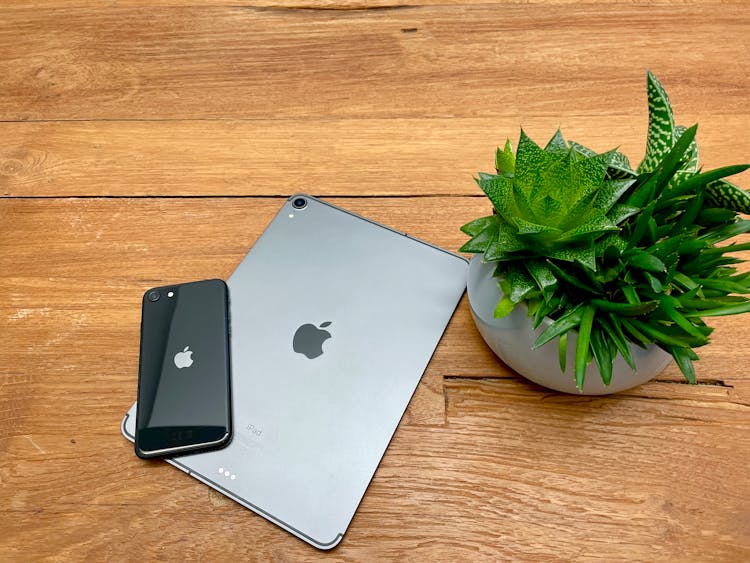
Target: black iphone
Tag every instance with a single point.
(184, 389)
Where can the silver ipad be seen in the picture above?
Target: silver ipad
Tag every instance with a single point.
(334, 318)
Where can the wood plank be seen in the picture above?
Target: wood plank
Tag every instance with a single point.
(470, 61)
(548, 477)
(73, 272)
(352, 99)
(468, 451)
(332, 5)
(324, 156)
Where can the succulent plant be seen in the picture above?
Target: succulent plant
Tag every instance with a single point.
(662, 136)
(621, 256)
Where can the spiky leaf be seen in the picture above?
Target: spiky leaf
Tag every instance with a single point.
(661, 127)
(505, 160)
(725, 194)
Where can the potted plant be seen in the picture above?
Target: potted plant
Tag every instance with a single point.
(589, 275)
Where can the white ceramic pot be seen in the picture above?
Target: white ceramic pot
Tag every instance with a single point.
(512, 338)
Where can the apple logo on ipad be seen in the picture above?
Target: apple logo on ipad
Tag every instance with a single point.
(184, 359)
(308, 339)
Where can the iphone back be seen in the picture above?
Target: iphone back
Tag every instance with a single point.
(183, 378)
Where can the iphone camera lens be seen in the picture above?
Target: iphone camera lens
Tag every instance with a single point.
(299, 203)
(153, 295)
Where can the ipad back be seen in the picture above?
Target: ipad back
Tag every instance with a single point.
(334, 319)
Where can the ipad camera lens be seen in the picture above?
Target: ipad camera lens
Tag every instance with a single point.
(299, 203)
(153, 295)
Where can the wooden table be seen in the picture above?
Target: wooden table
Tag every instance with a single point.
(144, 143)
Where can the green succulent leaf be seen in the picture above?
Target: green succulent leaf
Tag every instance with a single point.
(580, 149)
(473, 228)
(578, 211)
(497, 189)
(557, 144)
(613, 240)
(725, 194)
(575, 282)
(737, 228)
(626, 309)
(635, 335)
(548, 206)
(733, 247)
(735, 309)
(619, 166)
(643, 190)
(569, 321)
(610, 193)
(682, 321)
(611, 324)
(684, 358)
(522, 285)
(582, 345)
(661, 127)
(582, 254)
(660, 336)
(505, 160)
(689, 302)
(562, 351)
(506, 241)
(666, 246)
(715, 215)
(523, 204)
(549, 309)
(676, 157)
(603, 355)
(589, 173)
(655, 283)
(646, 261)
(694, 181)
(544, 277)
(691, 162)
(505, 305)
(532, 165)
(528, 228)
(724, 285)
(480, 242)
(641, 225)
(594, 225)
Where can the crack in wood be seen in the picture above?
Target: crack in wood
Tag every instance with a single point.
(733, 399)
(703, 382)
(314, 9)
(709, 382)
(480, 378)
(244, 196)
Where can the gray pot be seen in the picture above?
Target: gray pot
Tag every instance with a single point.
(512, 338)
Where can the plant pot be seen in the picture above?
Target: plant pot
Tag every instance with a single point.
(512, 339)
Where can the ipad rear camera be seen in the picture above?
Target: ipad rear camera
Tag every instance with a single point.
(153, 295)
(299, 203)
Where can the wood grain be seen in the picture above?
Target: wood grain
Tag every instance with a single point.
(144, 143)
(328, 5)
(659, 471)
(324, 156)
(462, 61)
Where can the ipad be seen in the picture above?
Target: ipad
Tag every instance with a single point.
(334, 319)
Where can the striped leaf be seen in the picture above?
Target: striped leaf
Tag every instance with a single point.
(661, 127)
(728, 196)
